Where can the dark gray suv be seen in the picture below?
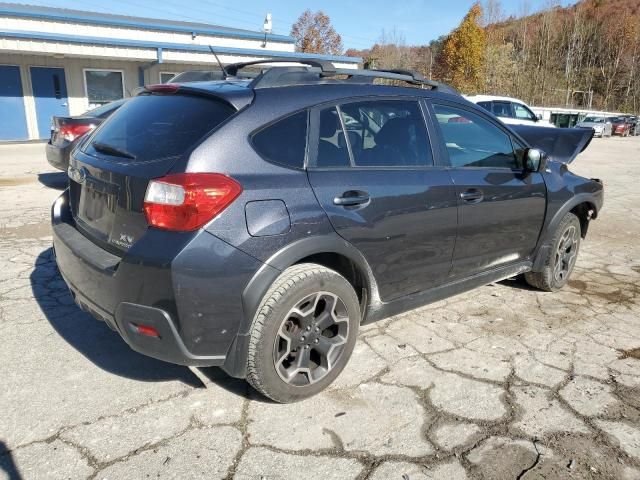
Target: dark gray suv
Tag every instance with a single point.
(255, 224)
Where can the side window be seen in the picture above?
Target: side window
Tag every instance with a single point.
(523, 113)
(502, 109)
(473, 141)
(485, 105)
(386, 133)
(332, 147)
(284, 142)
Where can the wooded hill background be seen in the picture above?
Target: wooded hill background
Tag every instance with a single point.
(584, 55)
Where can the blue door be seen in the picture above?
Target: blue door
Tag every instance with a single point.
(50, 95)
(13, 122)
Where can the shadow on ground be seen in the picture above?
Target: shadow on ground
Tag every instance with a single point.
(93, 338)
(7, 464)
(57, 180)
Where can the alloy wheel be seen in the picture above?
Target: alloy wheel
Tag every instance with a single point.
(311, 339)
(566, 254)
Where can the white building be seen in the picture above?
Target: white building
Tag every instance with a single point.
(63, 62)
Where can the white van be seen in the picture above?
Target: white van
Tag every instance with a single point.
(510, 110)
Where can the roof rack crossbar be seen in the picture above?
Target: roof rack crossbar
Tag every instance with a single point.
(325, 66)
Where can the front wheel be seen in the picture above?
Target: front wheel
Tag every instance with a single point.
(303, 334)
(561, 258)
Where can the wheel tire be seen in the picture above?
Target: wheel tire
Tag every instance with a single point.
(549, 278)
(275, 315)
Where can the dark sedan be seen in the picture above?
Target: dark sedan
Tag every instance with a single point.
(65, 132)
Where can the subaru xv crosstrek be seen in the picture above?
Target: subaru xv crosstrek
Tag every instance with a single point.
(255, 224)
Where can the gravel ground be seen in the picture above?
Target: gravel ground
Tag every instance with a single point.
(501, 382)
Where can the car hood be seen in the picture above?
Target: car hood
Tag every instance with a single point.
(561, 144)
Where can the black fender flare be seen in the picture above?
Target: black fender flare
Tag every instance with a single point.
(550, 227)
(292, 254)
(256, 288)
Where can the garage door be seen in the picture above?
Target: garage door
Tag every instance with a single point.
(13, 122)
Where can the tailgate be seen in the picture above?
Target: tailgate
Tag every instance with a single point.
(142, 140)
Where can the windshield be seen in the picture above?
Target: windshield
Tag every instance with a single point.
(594, 120)
(617, 119)
(155, 127)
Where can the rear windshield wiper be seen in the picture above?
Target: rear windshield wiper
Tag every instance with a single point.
(111, 150)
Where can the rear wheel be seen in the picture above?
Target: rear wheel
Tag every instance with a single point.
(561, 258)
(303, 334)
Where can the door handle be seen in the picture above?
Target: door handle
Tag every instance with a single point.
(473, 195)
(352, 198)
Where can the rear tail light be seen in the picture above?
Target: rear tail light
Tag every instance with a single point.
(186, 201)
(71, 132)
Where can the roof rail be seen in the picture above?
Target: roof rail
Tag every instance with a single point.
(315, 70)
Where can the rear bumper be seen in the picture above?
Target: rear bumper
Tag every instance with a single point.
(179, 284)
(58, 157)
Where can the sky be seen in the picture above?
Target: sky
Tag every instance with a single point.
(359, 22)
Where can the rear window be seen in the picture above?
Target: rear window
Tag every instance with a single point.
(104, 110)
(156, 127)
(284, 142)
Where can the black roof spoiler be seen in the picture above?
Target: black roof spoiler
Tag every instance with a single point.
(315, 71)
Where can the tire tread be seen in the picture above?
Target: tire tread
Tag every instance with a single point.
(543, 280)
(285, 282)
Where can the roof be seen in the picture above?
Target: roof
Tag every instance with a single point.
(64, 14)
(159, 46)
(489, 98)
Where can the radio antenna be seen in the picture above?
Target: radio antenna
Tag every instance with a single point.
(224, 71)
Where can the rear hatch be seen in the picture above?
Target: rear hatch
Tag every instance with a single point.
(142, 140)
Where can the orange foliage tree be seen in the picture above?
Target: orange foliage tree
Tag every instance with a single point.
(463, 53)
(314, 33)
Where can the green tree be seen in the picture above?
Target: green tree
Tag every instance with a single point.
(314, 33)
(462, 59)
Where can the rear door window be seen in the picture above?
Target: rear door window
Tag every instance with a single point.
(333, 151)
(386, 133)
(485, 105)
(157, 127)
(502, 109)
(284, 142)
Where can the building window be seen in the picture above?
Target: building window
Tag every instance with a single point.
(103, 86)
(166, 76)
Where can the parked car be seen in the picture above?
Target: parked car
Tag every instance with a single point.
(620, 126)
(599, 123)
(510, 110)
(256, 224)
(634, 129)
(66, 131)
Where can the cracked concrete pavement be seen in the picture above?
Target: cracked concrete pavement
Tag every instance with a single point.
(500, 382)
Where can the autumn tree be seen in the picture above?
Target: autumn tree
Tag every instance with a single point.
(463, 53)
(314, 33)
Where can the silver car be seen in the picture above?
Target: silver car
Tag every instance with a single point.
(600, 124)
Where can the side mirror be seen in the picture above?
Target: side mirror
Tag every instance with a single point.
(535, 160)
(539, 116)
